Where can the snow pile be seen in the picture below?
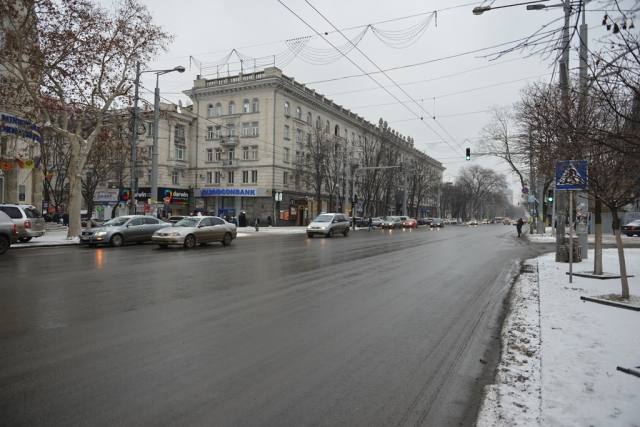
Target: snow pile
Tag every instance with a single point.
(515, 398)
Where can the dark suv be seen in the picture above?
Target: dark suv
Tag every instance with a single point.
(28, 219)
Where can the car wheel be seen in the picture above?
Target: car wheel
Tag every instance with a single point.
(25, 239)
(189, 241)
(330, 233)
(346, 233)
(116, 240)
(4, 245)
(309, 235)
(226, 240)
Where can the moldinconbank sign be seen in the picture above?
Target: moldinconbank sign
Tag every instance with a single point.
(245, 192)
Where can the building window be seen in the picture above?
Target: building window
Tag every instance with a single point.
(285, 178)
(246, 107)
(254, 152)
(254, 177)
(245, 153)
(209, 177)
(216, 177)
(217, 134)
(299, 113)
(318, 123)
(286, 155)
(230, 177)
(309, 118)
(179, 134)
(149, 172)
(209, 154)
(245, 177)
(256, 105)
(346, 135)
(210, 133)
(254, 129)
(175, 177)
(231, 154)
(4, 146)
(245, 129)
(150, 129)
(180, 152)
(287, 111)
(360, 140)
(328, 127)
(218, 111)
(309, 138)
(297, 157)
(218, 154)
(232, 107)
(299, 136)
(210, 110)
(286, 132)
(231, 130)
(353, 137)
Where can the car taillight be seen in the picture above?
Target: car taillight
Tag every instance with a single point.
(15, 228)
(27, 224)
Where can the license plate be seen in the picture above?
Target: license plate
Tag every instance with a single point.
(85, 237)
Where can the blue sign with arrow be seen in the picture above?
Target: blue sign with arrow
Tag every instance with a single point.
(571, 175)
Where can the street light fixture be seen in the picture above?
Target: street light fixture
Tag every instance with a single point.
(134, 143)
(482, 9)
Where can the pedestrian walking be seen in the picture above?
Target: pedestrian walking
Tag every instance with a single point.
(65, 219)
(370, 223)
(269, 220)
(56, 218)
(257, 224)
(519, 224)
(235, 221)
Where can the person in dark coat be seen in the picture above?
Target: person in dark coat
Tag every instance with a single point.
(257, 224)
(47, 217)
(269, 220)
(242, 219)
(519, 224)
(65, 219)
(56, 218)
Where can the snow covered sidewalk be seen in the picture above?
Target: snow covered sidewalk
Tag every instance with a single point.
(559, 354)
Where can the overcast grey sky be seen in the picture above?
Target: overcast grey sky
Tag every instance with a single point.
(458, 90)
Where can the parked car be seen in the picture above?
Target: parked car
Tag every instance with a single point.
(392, 222)
(376, 222)
(473, 222)
(28, 219)
(8, 232)
(633, 228)
(412, 223)
(175, 219)
(446, 221)
(190, 231)
(123, 229)
(329, 224)
(453, 221)
(436, 222)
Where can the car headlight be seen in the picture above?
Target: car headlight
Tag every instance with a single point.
(322, 228)
(101, 233)
(174, 234)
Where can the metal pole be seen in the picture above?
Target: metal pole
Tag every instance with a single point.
(554, 229)
(404, 197)
(273, 176)
(337, 179)
(439, 213)
(154, 157)
(570, 237)
(346, 186)
(134, 146)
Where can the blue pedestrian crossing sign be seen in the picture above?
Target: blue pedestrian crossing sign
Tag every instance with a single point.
(571, 175)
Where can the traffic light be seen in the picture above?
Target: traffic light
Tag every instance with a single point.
(468, 154)
(550, 196)
(400, 166)
(355, 199)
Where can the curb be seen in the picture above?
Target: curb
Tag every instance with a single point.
(611, 303)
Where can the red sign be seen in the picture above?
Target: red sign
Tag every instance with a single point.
(167, 200)
(147, 208)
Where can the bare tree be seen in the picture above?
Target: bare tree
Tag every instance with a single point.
(71, 62)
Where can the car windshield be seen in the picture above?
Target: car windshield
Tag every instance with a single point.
(324, 218)
(188, 222)
(391, 218)
(116, 222)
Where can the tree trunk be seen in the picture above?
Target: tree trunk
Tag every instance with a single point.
(75, 192)
(623, 265)
(597, 258)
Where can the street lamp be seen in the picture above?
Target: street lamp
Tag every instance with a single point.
(482, 9)
(134, 144)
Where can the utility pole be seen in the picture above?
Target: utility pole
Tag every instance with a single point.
(337, 179)
(346, 186)
(404, 198)
(134, 146)
(439, 188)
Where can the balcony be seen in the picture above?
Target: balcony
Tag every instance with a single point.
(229, 140)
(229, 163)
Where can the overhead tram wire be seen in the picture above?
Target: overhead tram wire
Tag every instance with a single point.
(349, 59)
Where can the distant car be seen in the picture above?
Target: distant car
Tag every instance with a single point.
(428, 221)
(473, 222)
(29, 220)
(329, 224)
(411, 223)
(190, 231)
(376, 222)
(453, 221)
(176, 218)
(632, 228)
(485, 222)
(392, 222)
(437, 222)
(506, 221)
(358, 220)
(8, 232)
(123, 229)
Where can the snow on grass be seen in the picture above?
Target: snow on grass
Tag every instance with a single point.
(572, 380)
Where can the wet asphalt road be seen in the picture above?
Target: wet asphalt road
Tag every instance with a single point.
(377, 329)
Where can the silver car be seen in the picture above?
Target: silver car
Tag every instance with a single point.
(28, 219)
(190, 231)
(329, 224)
(123, 229)
(392, 222)
(8, 232)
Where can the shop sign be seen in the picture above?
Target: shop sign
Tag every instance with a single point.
(243, 192)
(175, 196)
(20, 128)
(103, 197)
(5, 166)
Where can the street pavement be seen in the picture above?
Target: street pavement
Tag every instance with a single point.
(380, 328)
